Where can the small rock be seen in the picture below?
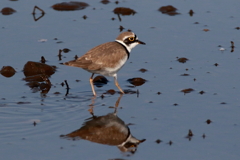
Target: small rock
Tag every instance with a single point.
(7, 11)
(7, 71)
(169, 10)
(182, 60)
(137, 81)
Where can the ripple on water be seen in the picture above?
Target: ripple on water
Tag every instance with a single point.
(20, 120)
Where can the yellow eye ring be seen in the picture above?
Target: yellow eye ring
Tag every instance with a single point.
(131, 39)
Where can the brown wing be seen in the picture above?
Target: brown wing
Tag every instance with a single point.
(104, 55)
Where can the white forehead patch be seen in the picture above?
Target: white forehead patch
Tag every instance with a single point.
(130, 46)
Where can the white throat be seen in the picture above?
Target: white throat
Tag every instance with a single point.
(130, 47)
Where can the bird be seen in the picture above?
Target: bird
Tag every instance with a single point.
(107, 58)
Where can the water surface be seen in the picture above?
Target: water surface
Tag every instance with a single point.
(212, 74)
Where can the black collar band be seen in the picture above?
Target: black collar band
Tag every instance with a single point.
(128, 54)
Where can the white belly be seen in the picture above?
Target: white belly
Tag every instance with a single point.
(112, 71)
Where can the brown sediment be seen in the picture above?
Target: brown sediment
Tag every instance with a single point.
(70, 6)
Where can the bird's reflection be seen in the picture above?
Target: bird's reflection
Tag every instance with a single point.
(109, 130)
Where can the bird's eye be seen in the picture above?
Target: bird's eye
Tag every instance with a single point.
(131, 39)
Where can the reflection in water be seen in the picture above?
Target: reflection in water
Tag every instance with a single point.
(34, 13)
(191, 12)
(190, 135)
(43, 60)
(121, 28)
(232, 46)
(108, 129)
(35, 73)
(34, 83)
(67, 89)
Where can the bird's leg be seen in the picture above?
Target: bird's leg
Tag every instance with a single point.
(117, 103)
(92, 106)
(116, 83)
(91, 83)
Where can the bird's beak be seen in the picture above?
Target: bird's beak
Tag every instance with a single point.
(140, 42)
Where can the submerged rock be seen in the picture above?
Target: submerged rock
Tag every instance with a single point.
(99, 81)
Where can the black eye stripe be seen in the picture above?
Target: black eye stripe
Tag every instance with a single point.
(128, 41)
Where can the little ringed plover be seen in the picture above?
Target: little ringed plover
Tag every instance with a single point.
(108, 58)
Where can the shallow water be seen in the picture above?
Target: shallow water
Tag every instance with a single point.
(167, 116)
